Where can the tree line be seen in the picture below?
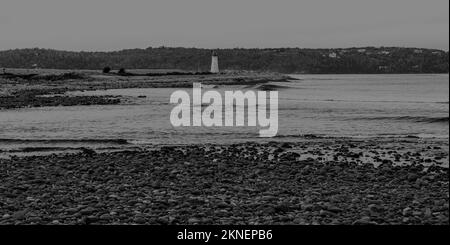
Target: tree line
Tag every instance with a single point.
(366, 60)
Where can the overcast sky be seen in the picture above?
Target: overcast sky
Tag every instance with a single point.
(121, 24)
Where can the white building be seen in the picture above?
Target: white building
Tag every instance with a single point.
(214, 62)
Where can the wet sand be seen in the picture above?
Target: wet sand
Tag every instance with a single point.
(368, 181)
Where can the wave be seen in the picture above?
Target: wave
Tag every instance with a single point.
(388, 136)
(43, 149)
(305, 136)
(62, 141)
(269, 87)
(416, 119)
(412, 136)
(369, 101)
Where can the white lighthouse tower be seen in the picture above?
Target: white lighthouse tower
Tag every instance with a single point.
(214, 62)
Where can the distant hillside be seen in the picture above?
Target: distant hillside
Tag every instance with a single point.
(284, 60)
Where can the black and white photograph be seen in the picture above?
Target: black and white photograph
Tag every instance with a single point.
(208, 113)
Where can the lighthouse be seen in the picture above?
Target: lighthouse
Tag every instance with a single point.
(214, 62)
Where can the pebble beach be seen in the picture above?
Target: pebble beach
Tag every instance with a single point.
(302, 183)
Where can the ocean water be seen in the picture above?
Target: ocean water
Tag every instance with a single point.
(320, 105)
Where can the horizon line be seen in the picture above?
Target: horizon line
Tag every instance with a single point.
(184, 47)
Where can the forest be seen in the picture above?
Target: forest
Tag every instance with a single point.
(365, 60)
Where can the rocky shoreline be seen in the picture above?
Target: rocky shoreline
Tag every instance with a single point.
(32, 90)
(250, 183)
(45, 97)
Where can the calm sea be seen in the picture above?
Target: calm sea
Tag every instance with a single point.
(320, 105)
